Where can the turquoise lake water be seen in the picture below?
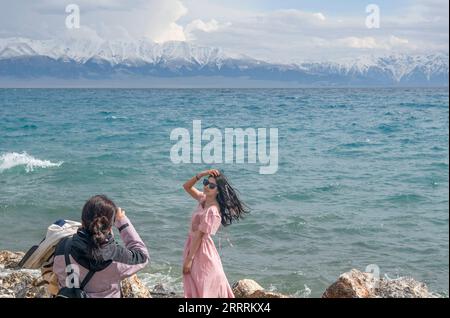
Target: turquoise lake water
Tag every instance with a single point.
(363, 177)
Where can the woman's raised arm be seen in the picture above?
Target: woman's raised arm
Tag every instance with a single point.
(189, 185)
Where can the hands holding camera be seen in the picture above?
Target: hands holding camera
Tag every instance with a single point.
(120, 214)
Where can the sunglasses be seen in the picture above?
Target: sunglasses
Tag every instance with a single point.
(207, 183)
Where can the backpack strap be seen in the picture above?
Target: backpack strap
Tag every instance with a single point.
(67, 247)
(87, 279)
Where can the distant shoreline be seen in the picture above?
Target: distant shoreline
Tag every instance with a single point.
(180, 83)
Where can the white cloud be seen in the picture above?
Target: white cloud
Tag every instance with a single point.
(291, 35)
(167, 18)
(293, 17)
(283, 35)
(173, 32)
(319, 16)
(198, 25)
(396, 41)
(360, 43)
(111, 19)
(371, 43)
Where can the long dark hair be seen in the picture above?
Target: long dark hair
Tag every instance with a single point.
(97, 219)
(231, 207)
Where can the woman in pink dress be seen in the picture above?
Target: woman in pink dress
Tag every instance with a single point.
(203, 275)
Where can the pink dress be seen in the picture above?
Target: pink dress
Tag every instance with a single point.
(207, 278)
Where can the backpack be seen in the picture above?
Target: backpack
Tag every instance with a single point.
(73, 292)
(38, 255)
(41, 256)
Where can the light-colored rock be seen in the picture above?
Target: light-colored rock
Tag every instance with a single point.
(248, 288)
(132, 287)
(353, 284)
(10, 259)
(356, 284)
(26, 283)
(29, 284)
(405, 287)
(20, 283)
(267, 294)
(23, 284)
(245, 287)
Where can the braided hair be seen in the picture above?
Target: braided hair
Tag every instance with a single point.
(98, 218)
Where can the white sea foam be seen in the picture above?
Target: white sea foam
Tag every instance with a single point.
(13, 159)
(305, 293)
(168, 281)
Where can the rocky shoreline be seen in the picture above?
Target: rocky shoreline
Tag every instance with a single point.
(24, 283)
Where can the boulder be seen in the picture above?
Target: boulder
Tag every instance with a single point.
(23, 284)
(159, 291)
(356, 284)
(248, 288)
(405, 287)
(267, 294)
(245, 287)
(10, 259)
(132, 287)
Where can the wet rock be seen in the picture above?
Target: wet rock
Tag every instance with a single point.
(356, 284)
(159, 291)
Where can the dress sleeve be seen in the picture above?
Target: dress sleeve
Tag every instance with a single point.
(210, 221)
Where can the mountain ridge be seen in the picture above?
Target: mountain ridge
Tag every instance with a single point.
(88, 59)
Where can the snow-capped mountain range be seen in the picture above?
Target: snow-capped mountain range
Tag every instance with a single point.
(86, 59)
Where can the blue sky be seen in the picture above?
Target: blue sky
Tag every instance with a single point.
(278, 31)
